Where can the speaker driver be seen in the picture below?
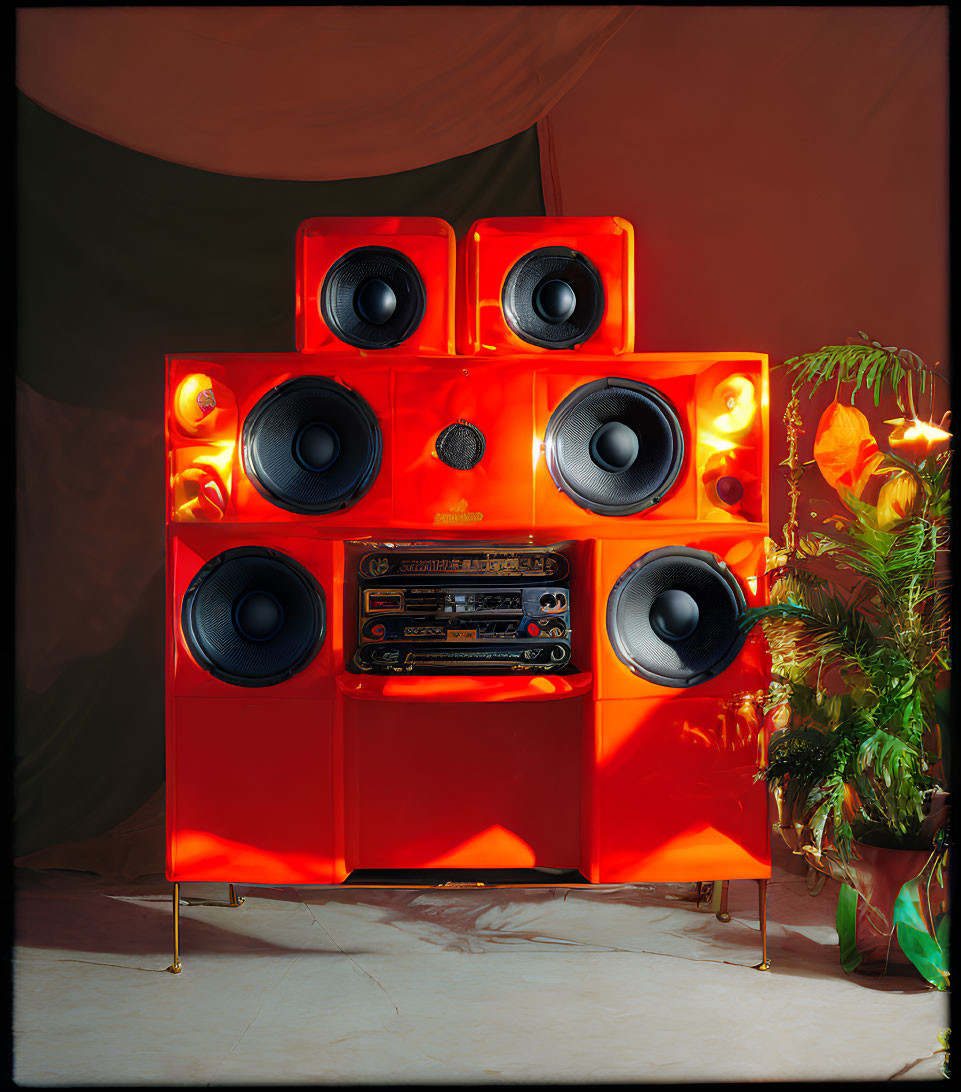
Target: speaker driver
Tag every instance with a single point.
(312, 446)
(614, 446)
(554, 298)
(253, 617)
(373, 298)
(672, 616)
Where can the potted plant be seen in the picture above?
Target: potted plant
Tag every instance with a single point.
(857, 626)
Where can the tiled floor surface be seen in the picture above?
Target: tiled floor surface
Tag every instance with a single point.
(354, 986)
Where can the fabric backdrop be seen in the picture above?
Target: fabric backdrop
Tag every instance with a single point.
(307, 93)
(784, 167)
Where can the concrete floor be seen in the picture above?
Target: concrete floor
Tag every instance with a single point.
(354, 986)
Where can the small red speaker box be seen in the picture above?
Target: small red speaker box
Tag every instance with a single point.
(532, 285)
(375, 284)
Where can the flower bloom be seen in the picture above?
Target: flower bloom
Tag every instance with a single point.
(844, 449)
(899, 499)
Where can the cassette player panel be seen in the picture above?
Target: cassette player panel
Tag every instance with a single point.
(463, 612)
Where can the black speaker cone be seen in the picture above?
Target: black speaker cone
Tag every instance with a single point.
(554, 298)
(258, 615)
(373, 298)
(375, 301)
(614, 446)
(672, 616)
(316, 446)
(312, 446)
(253, 617)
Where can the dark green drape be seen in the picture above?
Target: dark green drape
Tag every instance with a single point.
(122, 258)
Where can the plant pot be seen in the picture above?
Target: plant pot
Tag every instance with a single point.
(892, 914)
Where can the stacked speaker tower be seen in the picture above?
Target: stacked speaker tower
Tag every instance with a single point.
(453, 590)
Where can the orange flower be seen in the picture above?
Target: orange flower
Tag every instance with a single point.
(917, 439)
(844, 449)
(898, 499)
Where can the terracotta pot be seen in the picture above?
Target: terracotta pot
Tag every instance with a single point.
(879, 874)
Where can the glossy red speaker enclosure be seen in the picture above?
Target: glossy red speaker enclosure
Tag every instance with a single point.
(598, 770)
(426, 241)
(492, 247)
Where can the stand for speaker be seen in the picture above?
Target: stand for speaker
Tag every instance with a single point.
(719, 893)
(232, 900)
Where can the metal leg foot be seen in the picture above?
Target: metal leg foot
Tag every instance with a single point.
(232, 897)
(175, 967)
(765, 964)
(722, 914)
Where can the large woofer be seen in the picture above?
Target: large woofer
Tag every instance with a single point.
(672, 616)
(614, 446)
(553, 297)
(253, 617)
(373, 297)
(312, 446)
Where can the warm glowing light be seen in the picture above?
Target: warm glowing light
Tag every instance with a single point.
(915, 438)
(715, 442)
(537, 448)
(201, 853)
(495, 846)
(195, 405)
(736, 397)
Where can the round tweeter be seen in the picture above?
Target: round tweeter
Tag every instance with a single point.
(460, 445)
(253, 617)
(672, 616)
(553, 298)
(614, 446)
(373, 298)
(311, 446)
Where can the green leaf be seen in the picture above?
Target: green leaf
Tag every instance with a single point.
(845, 921)
(929, 954)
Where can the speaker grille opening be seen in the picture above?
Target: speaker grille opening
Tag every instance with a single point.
(373, 298)
(672, 616)
(553, 298)
(312, 446)
(253, 617)
(614, 446)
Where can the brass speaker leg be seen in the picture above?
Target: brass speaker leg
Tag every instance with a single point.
(765, 964)
(232, 897)
(722, 914)
(175, 967)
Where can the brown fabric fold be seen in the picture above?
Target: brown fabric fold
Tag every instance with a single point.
(309, 93)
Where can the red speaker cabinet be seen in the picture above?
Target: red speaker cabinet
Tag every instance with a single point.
(375, 284)
(470, 612)
(535, 285)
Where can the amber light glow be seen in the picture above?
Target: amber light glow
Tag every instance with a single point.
(917, 439)
(735, 397)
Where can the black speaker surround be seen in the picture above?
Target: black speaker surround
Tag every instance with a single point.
(312, 446)
(373, 298)
(253, 617)
(614, 446)
(553, 297)
(672, 616)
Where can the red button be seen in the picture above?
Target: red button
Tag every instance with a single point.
(378, 630)
(534, 629)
